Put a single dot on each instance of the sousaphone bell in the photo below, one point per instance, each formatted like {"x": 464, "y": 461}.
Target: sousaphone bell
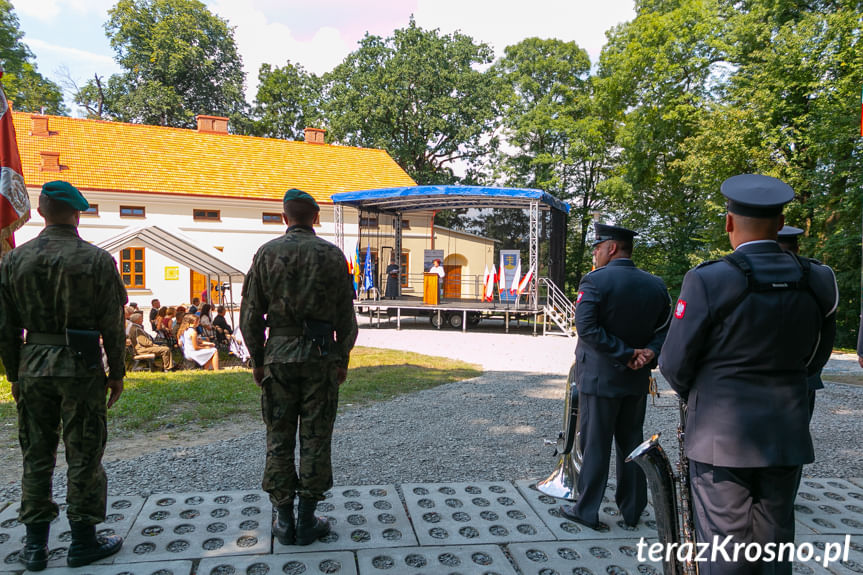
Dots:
{"x": 563, "y": 481}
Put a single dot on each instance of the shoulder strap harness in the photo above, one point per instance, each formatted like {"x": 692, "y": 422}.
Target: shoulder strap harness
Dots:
{"x": 741, "y": 262}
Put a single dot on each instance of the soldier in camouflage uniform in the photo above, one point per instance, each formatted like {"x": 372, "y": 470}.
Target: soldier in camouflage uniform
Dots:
{"x": 66, "y": 293}
{"x": 299, "y": 287}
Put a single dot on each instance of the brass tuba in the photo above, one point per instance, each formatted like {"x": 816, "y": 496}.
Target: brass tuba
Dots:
{"x": 563, "y": 481}
{"x": 669, "y": 503}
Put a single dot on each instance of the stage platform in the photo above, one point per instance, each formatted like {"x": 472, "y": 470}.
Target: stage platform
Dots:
{"x": 455, "y": 313}
{"x": 471, "y": 528}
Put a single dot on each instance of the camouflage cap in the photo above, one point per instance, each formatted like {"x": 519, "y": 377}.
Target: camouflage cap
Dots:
{"x": 65, "y": 192}
{"x": 295, "y": 194}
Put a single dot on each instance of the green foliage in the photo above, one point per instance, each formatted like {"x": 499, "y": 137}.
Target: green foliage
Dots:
{"x": 23, "y": 84}
{"x": 180, "y": 60}
{"x": 288, "y": 101}
{"x": 655, "y": 75}
{"x": 418, "y": 95}
{"x": 561, "y": 144}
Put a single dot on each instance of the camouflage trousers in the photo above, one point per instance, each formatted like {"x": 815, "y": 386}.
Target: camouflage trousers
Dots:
{"x": 79, "y": 405}
{"x": 302, "y": 396}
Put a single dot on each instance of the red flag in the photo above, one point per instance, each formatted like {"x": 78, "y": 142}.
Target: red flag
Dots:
{"x": 14, "y": 201}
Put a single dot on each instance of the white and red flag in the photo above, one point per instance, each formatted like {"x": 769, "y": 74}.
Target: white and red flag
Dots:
{"x": 515, "y": 278}
{"x": 489, "y": 289}
{"x": 525, "y": 281}
{"x": 501, "y": 278}
{"x": 14, "y": 201}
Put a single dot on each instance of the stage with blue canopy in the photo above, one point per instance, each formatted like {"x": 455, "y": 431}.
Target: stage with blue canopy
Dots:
{"x": 397, "y": 201}
{"x": 411, "y": 198}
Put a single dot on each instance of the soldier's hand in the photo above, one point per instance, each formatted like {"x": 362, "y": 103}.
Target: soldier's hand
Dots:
{"x": 115, "y": 386}
{"x": 342, "y": 375}
{"x": 15, "y": 391}
{"x": 258, "y": 374}
{"x": 860, "y": 360}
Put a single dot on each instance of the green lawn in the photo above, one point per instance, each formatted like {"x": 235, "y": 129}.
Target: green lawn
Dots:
{"x": 154, "y": 401}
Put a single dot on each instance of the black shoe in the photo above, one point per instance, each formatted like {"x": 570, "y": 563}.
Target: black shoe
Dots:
{"x": 87, "y": 547}
{"x": 309, "y": 527}
{"x": 34, "y": 556}
{"x": 283, "y": 524}
{"x": 568, "y": 511}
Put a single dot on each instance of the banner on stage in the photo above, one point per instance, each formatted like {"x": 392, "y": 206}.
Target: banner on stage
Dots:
{"x": 510, "y": 267}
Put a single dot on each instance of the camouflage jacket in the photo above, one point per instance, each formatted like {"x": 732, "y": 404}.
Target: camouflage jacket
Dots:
{"x": 54, "y": 282}
{"x": 293, "y": 278}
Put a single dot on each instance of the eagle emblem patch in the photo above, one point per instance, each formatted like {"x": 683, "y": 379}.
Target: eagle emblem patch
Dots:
{"x": 578, "y": 299}
{"x": 680, "y": 309}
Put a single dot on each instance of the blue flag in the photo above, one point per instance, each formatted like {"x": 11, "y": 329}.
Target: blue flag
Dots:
{"x": 368, "y": 273}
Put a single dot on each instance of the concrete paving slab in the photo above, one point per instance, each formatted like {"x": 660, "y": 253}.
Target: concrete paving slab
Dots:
{"x": 121, "y": 512}
{"x": 361, "y": 517}
{"x": 462, "y": 559}
{"x": 157, "y": 568}
{"x": 548, "y": 509}
{"x": 851, "y": 565}
{"x": 472, "y": 513}
{"x": 205, "y": 524}
{"x": 329, "y": 563}
{"x": 587, "y": 557}
{"x": 830, "y": 506}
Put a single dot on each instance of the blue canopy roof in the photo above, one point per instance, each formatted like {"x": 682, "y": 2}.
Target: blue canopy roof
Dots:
{"x": 412, "y": 198}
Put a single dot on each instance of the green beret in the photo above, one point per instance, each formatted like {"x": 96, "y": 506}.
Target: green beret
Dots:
{"x": 65, "y": 192}
{"x": 295, "y": 194}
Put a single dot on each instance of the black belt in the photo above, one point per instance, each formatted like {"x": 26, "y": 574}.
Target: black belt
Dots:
{"x": 286, "y": 331}
{"x": 46, "y": 338}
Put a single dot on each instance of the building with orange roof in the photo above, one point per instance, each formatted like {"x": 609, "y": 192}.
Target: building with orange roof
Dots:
{"x": 182, "y": 208}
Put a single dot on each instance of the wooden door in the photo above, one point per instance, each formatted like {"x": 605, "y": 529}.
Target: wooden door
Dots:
{"x": 198, "y": 284}
{"x": 452, "y": 282}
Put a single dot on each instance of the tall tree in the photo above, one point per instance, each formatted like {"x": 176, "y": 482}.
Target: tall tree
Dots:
{"x": 288, "y": 101}
{"x": 655, "y": 79}
{"x": 558, "y": 141}
{"x": 180, "y": 60}
{"x": 790, "y": 109}
{"x": 420, "y": 96}
{"x": 24, "y": 85}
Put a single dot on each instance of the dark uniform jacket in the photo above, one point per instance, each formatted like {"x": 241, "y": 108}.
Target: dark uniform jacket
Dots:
{"x": 54, "y": 282}
{"x": 293, "y": 278}
{"x": 743, "y": 369}
{"x": 620, "y": 308}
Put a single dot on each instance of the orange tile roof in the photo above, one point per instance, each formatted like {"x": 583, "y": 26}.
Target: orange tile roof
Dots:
{"x": 100, "y": 155}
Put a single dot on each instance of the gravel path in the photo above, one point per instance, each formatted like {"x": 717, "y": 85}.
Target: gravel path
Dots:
{"x": 487, "y": 428}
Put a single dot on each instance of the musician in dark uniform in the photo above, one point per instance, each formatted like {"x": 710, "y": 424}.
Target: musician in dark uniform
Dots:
{"x": 787, "y": 240}
{"x": 747, "y": 330}
{"x": 622, "y": 315}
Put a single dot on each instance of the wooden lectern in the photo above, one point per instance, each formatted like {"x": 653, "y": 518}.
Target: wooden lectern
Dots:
{"x": 430, "y": 288}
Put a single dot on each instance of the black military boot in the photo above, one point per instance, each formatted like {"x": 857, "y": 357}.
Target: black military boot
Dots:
{"x": 309, "y": 527}
{"x": 35, "y": 553}
{"x": 283, "y": 525}
{"x": 87, "y": 547}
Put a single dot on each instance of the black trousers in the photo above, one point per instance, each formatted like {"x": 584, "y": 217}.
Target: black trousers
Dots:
{"x": 749, "y": 504}
{"x": 604, "y": 419}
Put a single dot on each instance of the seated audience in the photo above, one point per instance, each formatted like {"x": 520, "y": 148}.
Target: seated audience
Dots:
{"x": 168, "y": 320}
{"x": 203, "y": 353}
{"x": 178, "y": 321}
{"x": 143, "y": 343}
{"x": 155, "y": 306}
{"x": 220, "y": 324}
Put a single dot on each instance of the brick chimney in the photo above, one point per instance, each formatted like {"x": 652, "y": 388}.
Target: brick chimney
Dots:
{"x": 40, "y": 125}
{"x": 212, "y": 124}
{"x": 50, "y": 161}
{"x": 314, "y": 135}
